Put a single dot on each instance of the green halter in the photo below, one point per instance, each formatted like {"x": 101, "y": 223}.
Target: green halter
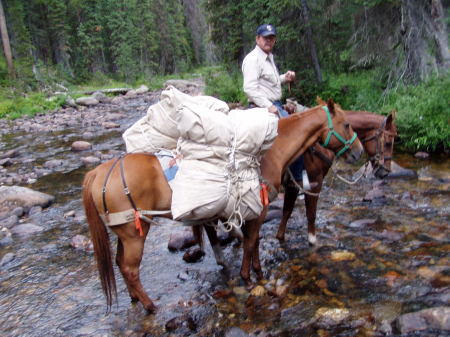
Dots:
{"x": 347, "y": 143}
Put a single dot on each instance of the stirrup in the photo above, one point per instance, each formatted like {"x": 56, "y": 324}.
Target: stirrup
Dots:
{"x": 305, "y": 181}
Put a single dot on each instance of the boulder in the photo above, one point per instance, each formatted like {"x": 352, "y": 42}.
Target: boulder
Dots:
{"x": 86, "y": 101}
{"x": 432, "y": 318}
{"x": 81, "y": 145}
{"x": 12, "y": 197}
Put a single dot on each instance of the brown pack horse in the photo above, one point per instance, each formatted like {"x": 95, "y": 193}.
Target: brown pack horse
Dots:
{"x": 377, "y": 134}
{"x": 150, "y": 190}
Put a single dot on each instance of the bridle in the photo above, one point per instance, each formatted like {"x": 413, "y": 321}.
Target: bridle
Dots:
{"x": 332, "y": 132}
{"x": 379, "y": 137}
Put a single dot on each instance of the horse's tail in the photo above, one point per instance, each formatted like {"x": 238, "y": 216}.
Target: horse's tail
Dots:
{"x": 100, "y": 240}
{"x": 198, "y": 234}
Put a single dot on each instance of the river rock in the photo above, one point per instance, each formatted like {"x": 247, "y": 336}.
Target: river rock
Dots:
{"x": 6, "y": 162}
{"x": 82, "y": 242}
{"x": 8, "y": 154}
{"x": 86, "y": 101}
{"x": 236, "y": 332}
{"x": 131, "y": 93}
{"x": 362, "y": 222}
{"x": 374, "y": 194}
{"x": 181, "y": 240}
{"x": 17, "y": 196}
{"x": 142, "y": 89}
{"x": 10, "y": 221}
{"x": 399, "y": 172}
{"x": 26, "y": 229}
{"x": 342, "y": 255}
{"x": 110, "y": 125}
{"x": 188, "y": 87}
{"x": 421, "y": 155}
{"x": 432, "y": 318}
{"x": 118, "y": 100}
{"x": 81, "y": 145}
{"x": 101, "y": 97}
{"x": 90, "y": 160}
{"x": 7, "y": 258}
{"x": 184, "y": 321}
{"x": 54, "y": 163}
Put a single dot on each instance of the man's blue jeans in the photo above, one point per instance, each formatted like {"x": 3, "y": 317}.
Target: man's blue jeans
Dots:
{"x": 299, "y": 164}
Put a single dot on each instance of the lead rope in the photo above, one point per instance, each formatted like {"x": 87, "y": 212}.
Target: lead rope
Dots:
{"x": 300, "y": 187}
{"x": 337, "y": 175}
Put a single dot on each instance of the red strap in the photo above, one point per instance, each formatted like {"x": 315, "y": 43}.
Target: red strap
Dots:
{"x": 137, "y": 221}
{"x": 264, "y": 194}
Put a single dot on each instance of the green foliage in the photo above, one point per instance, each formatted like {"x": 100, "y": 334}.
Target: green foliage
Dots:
{"x": 30, "y": 105}
{"x": 423, "y": 114}
{"x": 226, "y": 86}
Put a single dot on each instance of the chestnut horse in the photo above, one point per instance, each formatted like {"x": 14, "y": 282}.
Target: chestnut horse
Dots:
{"x": 104, "y": 193}
{"x": 377, "y": 134}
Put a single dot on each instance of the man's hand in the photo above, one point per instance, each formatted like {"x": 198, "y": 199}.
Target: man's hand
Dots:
{"x": 273, "y": 109}
{"x": 290, "y": 76}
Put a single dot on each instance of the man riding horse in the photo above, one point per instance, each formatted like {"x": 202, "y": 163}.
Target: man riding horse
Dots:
{"x": 262, "y": 85}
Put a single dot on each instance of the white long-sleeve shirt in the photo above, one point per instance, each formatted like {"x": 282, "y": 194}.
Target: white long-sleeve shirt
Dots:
{"x": 262, "y": 82}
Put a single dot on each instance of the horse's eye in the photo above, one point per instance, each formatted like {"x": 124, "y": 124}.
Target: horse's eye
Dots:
{"x": 347, "y": 125}
{"x": 388, "y": 143}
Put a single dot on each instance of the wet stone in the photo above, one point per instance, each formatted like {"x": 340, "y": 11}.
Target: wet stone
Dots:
{"x": 6, "y": 162}
{"x": 181, "y": 240}
{"x": 54, "y": 163}
{"x": 432, "y": 318}
{"x": 90, "y": 160}
{"x": 236, "y": 332}
{"x": 10, "y": 221}
{"x": 26, "y": 229}
{"x": 81, "y": 145}
{"x": 7, "y": 258}
{"x": 421, "y": 155}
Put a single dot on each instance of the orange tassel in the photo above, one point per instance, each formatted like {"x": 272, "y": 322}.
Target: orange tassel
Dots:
{"x": 264, "y": 194}
{"x": 137, "y": 221}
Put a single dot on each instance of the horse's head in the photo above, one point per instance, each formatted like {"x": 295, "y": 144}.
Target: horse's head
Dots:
{"x": 339, "y": 136}
{"x": 379, "y": 146}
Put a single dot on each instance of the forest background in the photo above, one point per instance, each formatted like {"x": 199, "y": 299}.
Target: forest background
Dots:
{"x": 374, "y": 55}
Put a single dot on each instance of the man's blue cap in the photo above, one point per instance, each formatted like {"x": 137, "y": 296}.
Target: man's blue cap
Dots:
{"x": 266, "y": 30}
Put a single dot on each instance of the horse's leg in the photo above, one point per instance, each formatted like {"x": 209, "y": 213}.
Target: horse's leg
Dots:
{"x": 251, "y": 242}
{"x": 215, "y": 244}
{"x": 256, "y": 263}
{"x": 290, "y": 195}
{"x": 133, "y": 249}
{"x": 120, "y": 263}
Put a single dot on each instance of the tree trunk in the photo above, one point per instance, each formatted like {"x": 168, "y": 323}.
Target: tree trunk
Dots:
{"x": 440, "y": 34}
{"x": 6, "y": 45}
{"x": 310, "y": 41}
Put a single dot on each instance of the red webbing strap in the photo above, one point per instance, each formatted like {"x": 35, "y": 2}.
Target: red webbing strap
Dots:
{"x": 264, "y": 194}
{"x": 137, "y": 221}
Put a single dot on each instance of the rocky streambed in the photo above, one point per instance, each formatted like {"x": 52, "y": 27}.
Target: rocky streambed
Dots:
{"x": 381, "y": 267}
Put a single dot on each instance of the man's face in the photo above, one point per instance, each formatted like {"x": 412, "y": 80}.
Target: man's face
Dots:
{"x": 266, "y": 43}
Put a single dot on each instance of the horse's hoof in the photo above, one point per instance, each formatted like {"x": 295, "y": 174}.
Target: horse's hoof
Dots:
{"x": 150, "y": 308}
{"x": 134, "y": 299}
{"x": 312, "y": 239}
{"x": 193, "y": 255}
{"x": 259, "y": 275}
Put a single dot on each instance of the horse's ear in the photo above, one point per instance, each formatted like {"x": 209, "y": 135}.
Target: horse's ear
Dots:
{"x": 319, "y": 100}
{"x": 390, "y": 120}
{"x": 330, "y": 104}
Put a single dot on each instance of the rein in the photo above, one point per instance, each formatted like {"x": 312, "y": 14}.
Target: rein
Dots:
{"x": 380, "y": 133}
{"x": 331, "y": 132}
